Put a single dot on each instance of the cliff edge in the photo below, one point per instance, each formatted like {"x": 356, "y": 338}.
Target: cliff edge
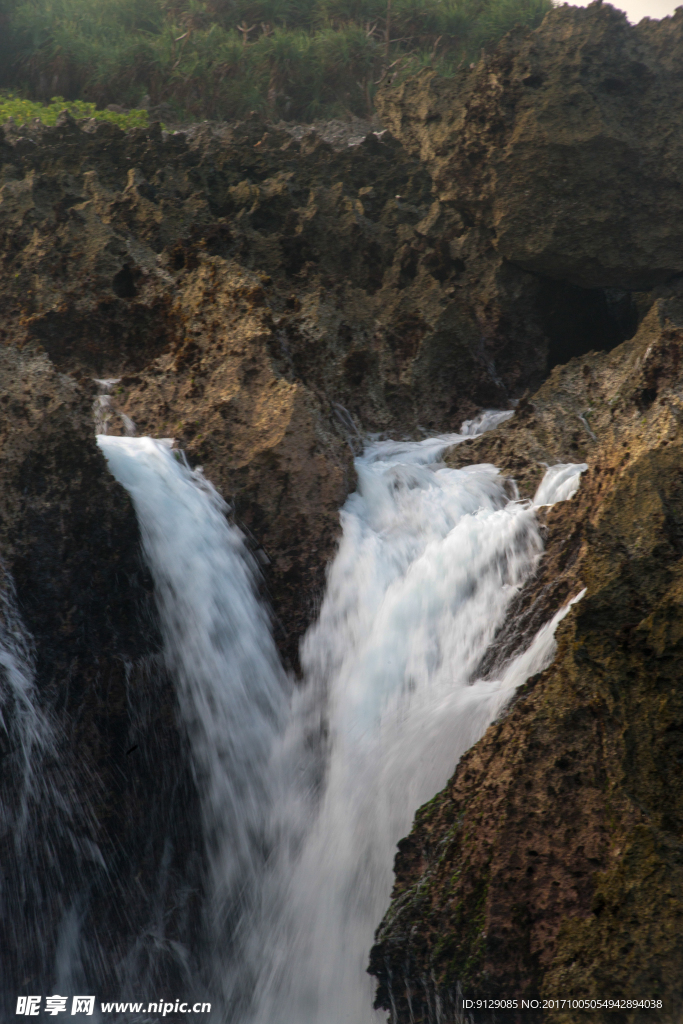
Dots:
{"x": 550, "y": 866}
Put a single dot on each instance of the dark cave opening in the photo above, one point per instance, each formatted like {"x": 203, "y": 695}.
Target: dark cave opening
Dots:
{"x": 580, "y": 320}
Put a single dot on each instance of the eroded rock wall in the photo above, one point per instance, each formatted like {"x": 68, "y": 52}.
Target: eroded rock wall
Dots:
{"x": 561, "y": 150}
{"x": 84, "y": 840}
{"x": 265, "y": 299}
{"x": 551, "y": 863}
{"x": 550, "y": 866}
{"x": 395, "y": 285}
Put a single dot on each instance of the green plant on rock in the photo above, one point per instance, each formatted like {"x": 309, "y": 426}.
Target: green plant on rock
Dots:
{"x": 24, "y": 111}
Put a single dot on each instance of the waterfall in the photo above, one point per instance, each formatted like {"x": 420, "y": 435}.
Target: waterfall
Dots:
{"x": 429, "y": 561}
{"x": 27, "y": 744}
{"x": 306, "y": 790}
{"x": 232, "y": 690}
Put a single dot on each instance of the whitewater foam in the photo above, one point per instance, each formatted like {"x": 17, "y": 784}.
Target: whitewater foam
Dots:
{"x": 232, "y": 689}
{"x": 305, "y": 791}
{"x": 429, "y": 561}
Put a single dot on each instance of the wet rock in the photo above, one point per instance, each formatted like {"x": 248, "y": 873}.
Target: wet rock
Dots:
{"x": 265, "y": 298}
{"x": 262, "y": 438}
{"x": 550, "y": 864}
{"x": 264, "y": 295}
{"x": 75, "y": 593}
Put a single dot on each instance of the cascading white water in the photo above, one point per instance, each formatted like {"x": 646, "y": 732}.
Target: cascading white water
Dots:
{"x": 305, "y": 796}
{"x": 429, "y": 561}
{"x": 232, "y": 690}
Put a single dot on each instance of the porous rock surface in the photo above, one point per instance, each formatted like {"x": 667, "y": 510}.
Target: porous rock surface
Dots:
{"x": 264, "y": 298}
{"x": 550, "y": 866}
{"x": 562, "y": 149}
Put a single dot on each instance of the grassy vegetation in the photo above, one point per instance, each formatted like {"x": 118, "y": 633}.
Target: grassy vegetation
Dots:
{"x": 24, "y": 111}
{"x": 298, "y": 59}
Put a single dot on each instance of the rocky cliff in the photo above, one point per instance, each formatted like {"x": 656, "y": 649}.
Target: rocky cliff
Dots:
{"x": 79, "y": 779}
{"x": 550, "y": 866}
{"x": 252, "y": 289}
{"x": 561, "y": 148}
{"x": 267, "y": 297}
{"x": 387, "y": 285}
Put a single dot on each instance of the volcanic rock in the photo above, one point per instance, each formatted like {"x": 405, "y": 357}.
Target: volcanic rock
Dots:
{"x": 266, "y": 298}
{"x": 263, "y": 299}
{"x": 77, "y": 620}
{"x": 551, "y": 862}
{"x": 562, "y": 149}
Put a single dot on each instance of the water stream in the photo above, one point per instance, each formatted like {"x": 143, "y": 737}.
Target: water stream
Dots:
{"x": 232, "y": 690}
{"x": 304, "y": 789}
{"x": 429, "y": 561}
{"x": 47, "y": 857}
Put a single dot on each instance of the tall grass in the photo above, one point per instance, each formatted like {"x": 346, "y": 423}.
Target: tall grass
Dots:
{"x": 297, "y": 59}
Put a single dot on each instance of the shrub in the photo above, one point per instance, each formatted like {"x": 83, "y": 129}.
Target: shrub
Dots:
{"x": 220, "y": 58}
{"x": 23, "y": 111}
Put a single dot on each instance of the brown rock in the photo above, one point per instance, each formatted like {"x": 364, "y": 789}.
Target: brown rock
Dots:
{"x": 550, "y": 865}
{"x": 263, "y": 298}
{"x": 562, "y": 147}
{"x": 262, "y": 439}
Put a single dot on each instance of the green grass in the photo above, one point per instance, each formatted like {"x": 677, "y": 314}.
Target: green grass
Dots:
{"x": 298, "y": 59}
{"x": 24, "y": 111}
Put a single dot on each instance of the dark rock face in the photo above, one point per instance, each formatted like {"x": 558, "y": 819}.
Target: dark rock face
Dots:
{"x": 102, "y": 233}
{"x": 551, "y": 861}
{"x": 550, "y": 865}
{"x": 562, "y": 148}
{"x": 71, "y": 570}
